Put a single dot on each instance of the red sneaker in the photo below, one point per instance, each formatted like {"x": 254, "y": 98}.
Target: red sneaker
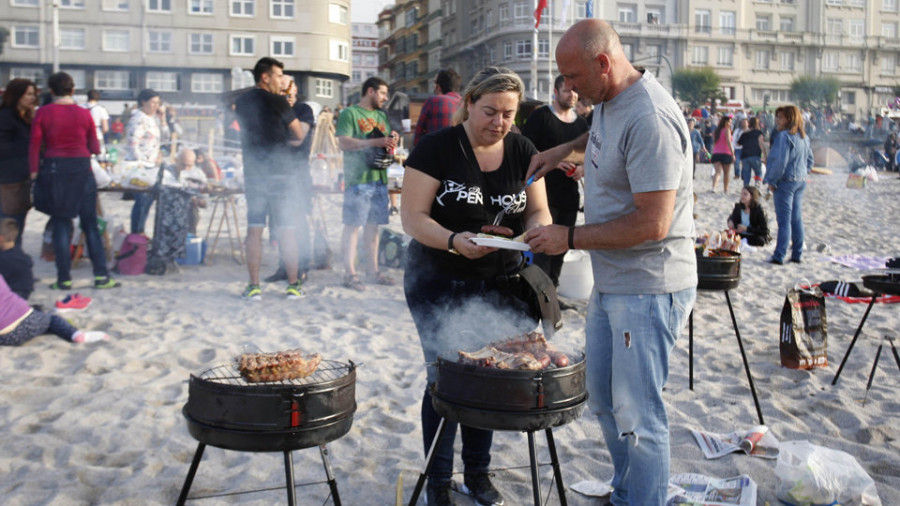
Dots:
{"x": 73, "y": 302}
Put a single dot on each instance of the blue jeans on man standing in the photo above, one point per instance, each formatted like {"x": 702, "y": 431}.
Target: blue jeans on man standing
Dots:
{"x": 788, "y": 199}
{"x": 737, "y": 163}
{"x": 629, "y": 338}
{"x": 751, "y": 164}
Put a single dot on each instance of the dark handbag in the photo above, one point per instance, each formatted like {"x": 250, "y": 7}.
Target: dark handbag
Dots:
{"x": 804, "y": 329}
{"x": 15, "y": 198}
{"x": 536, "y": 289}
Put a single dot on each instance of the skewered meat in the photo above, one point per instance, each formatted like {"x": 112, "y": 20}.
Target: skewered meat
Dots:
{"x": 529, "y": 351}
{"x": 278, "y": 366}
{"x": 497, "y": 230}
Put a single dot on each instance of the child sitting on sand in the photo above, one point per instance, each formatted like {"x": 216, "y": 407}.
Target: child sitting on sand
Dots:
{"x": 15, "y": 264}
{"x": 749, "y": 218}
{"x": 20, "y": 323}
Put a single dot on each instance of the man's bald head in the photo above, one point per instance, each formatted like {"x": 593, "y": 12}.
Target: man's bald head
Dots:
{"x": 591, "y": 37}
{"x": 591, "y": 58}
{"x": 186, "y": 158}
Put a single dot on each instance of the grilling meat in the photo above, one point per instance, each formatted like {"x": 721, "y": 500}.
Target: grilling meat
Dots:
{"x": 278, "y": 366}
{"x": 502, "y": 231}
{"x": 528, "y": 352}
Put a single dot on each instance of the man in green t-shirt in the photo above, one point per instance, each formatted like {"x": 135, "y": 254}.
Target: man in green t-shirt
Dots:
{"x": 364, "y": 134}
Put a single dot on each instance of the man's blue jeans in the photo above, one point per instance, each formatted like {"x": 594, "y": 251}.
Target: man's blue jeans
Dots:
{"x": 788, "y": 198}
{"x": 737, "y": 163}
{"x": 629, "y": 338}
{"x": 751, "y": 164}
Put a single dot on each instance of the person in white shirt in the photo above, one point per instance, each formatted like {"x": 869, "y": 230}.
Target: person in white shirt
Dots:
{"x": 100, "y": 116}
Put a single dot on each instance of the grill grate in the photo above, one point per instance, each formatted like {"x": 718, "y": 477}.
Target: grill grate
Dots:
{"x": 327, "y": 371}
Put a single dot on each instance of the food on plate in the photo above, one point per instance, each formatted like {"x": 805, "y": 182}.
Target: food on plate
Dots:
{"x": 496, "y": 231}
{"x": 529, "y": 351}
{"x": 277, "y": 366}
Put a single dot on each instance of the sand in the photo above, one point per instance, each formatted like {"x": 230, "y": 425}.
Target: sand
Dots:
{"x": 102, "y": 424}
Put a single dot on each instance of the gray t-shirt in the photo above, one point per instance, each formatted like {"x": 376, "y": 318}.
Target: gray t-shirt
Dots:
{"x": 639, "y": 143}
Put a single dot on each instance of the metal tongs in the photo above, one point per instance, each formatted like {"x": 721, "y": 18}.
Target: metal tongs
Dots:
{"x": 499, "y": 217}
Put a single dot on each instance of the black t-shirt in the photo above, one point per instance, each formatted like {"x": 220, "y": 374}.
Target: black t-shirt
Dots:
{"x": 15, "y": 267}
{"x": 546, "y": 131}
{"x": 304, "y": 113}
{"x": 749, "y": 142}
{"x": 264, "y": 118}
{"x": 468, "y": 198}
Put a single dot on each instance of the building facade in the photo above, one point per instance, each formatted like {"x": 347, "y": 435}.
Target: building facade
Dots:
{"x": 191, "y": 51}
{"x": 363, "y": 59}
{"x": 410, "y": 46}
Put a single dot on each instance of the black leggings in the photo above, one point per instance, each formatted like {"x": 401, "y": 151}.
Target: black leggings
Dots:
{"x": 35, "y": 324}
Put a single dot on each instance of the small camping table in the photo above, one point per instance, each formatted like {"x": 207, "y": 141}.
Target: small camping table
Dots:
{"x": 228, "y": 218}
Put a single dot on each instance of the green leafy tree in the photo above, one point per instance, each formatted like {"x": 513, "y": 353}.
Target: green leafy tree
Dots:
{"x": 698, "y": 86}
{"x": 814, "y": 91}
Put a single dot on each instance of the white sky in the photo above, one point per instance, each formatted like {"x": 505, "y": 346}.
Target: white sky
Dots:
{"x": 366, "y": 11}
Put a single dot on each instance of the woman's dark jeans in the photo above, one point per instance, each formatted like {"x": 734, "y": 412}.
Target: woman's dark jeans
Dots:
{"x": 61, "y": 229}
{"x": 140, "y": 211}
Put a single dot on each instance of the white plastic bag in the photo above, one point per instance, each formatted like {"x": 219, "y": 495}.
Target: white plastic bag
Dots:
{"x": 101, "y": 176}
{"x": 812, "y": 475}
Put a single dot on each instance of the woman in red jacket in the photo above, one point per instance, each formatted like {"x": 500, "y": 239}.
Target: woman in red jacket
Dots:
{"x": 64, "y": 182}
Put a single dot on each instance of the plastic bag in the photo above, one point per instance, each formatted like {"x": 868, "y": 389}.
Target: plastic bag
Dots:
{"x": 814, "y": 475}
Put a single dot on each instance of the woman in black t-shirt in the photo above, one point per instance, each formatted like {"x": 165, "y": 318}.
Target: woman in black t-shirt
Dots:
{"x": 752, "y": 146}
{"x": 456, "y": 180}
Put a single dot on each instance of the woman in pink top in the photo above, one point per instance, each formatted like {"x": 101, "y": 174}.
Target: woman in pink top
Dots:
{"x": 722, "y": 153}
{"x": 64, "y": 182}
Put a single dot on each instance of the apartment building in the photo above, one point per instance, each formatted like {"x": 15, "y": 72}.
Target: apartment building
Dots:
{"x": 189, "y": 50}
{"x": 757, "y": 47}
{"x": 363, "y": 58}
{"x": 410, "y": 45}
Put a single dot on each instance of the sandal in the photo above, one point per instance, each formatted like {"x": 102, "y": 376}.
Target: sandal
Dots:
{"x": 353, "y": 282}
{"x": 379, "y": 278}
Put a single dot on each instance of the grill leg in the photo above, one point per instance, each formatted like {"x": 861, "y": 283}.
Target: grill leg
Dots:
{"x": 554, "y": 460}
{"x": 737, "y": 334}
{"x": 691, "y": 350}
{"x": 428, "y": 461}
{"x": 535, "y": 483}
{"x": 855, "y": 336}
{"x": 332, "y": 483}
{"x": 189, "y": 479}
{"x": 289, "y": 476}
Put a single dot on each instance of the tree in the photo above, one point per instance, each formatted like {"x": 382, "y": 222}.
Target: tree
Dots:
{"x": 814, "y": 92}
{"x": 698, "y": 86}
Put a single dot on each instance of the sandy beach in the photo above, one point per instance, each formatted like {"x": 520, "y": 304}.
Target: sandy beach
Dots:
{"x": 101, "y": 423}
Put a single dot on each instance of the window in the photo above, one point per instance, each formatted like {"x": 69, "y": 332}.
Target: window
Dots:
{"x": 787, "y": 24}
{"x": 116, "y": 40}
{"x": 523, "y": 48}
{"x": 627, "y": 13}
{"x": 503, "y": 13}
{"x": 726, "y": 57}
{"x": 889, "y": 5}
{"x": 857, "y": 30}
{"x": 281, "y": 46}
{"x": 78, "y": 77}
{"x": 32, "y": 74}
{"x": 26, "y": 36}
{"x": 849, "y": 97}
{"x": 829, "y": 61}
{"x": 243, "y": 8}
{"x": 764, "y": 23}
{"x": 370, "y": 60}
{"x": 71, "y": 38}
{"x": 702, "y": 21}
{"x": 357, "y": 76}
{"x": 628, "y": 49}
{"x": 162, "y": 81}
{"x": 581, "y": 9}
{"x": 159, "y": 5}
{"x": 762, "y": 60}
{"x": 72, "y": 4}
{"x": 357, "y": 59}
{"x": 159, "y": 41}
{"x": 201, "y": 43}
{"x": 410, "y": 17}
{"x": 26, "y": 3}
{"x": 655, "y": 15}
{"x": 834, "y": 27}
{"x": 544, "y": 47}
{"x": 700, "y": 55}
{"x": 786, "y": 60}
{"x": 283, "y": 9}
{"x": 653, "y": 50}
{"x": 200, "y": 7}
{"x": 337, "y": 14}
{"x": 324, "y": 88}
{"x": 889, "y": 64}
{"x": 507, "y": 50}
{"x": 726, "y": 22}
{"x": 241, "y": 45}
{"x": 115, "y": 5}
{"x": 340, "y": 51}
{"x": 522, "y": 12}
{"x": 853, "y": 62}
{"x": 889, "y": 30}
{"x": 112, "y": 80}
{"x": 207, "y": 83}
{"x": 489, "y": 19}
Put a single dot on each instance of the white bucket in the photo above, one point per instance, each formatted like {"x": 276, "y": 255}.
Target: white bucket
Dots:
{"x": 576, "y": 279}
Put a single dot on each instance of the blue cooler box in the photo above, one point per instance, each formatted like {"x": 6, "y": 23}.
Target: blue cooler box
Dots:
{"x": 195, "y": 251}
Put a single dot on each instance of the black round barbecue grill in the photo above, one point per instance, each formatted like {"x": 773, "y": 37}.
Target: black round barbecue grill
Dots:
{"x": 511, "y": 400}
{"x": 226, "y": 411}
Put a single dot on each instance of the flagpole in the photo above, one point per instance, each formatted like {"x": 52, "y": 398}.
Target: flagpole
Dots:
{"x": 534, "y": 61}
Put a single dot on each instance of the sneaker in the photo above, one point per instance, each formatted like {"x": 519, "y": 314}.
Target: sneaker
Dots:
{"x": 105, "y": 282}
{"x": 773, "y": 260}
{"x": 394, "y": 211}
{"x": 73, "y": 302}
{"x": 89, "y": 337}
{"x": 278, "y": 275}
{"x": 480, "y": 488}
{"x": 293, "y": 291}
{"x": 252, "y": 292}
{"x": 61, "y": 285}
{"x": 439, "y": 496}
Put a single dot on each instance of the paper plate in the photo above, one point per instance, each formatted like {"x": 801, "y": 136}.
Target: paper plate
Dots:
{"x": 496, "y": 242}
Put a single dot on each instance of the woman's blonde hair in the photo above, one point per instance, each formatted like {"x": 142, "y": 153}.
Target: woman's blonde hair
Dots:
{"x": 794, "y": 119}
{"x": 488, "y": 80}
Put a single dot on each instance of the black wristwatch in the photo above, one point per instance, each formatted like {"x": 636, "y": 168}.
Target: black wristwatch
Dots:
{"x": 450, "y": 247}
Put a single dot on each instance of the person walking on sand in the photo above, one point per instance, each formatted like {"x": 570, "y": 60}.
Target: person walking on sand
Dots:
{"x": 639, "y": 230}
{"x": 722, "y": 154}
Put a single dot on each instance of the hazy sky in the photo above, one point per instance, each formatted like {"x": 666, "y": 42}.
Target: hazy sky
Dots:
{"x": 366, "y": 11}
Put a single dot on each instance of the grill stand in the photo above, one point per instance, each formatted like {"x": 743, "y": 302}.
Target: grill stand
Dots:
{"x": 288, "y": 471}
{"x": 532, "y": 453}
{"x": 737, "y": 334}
